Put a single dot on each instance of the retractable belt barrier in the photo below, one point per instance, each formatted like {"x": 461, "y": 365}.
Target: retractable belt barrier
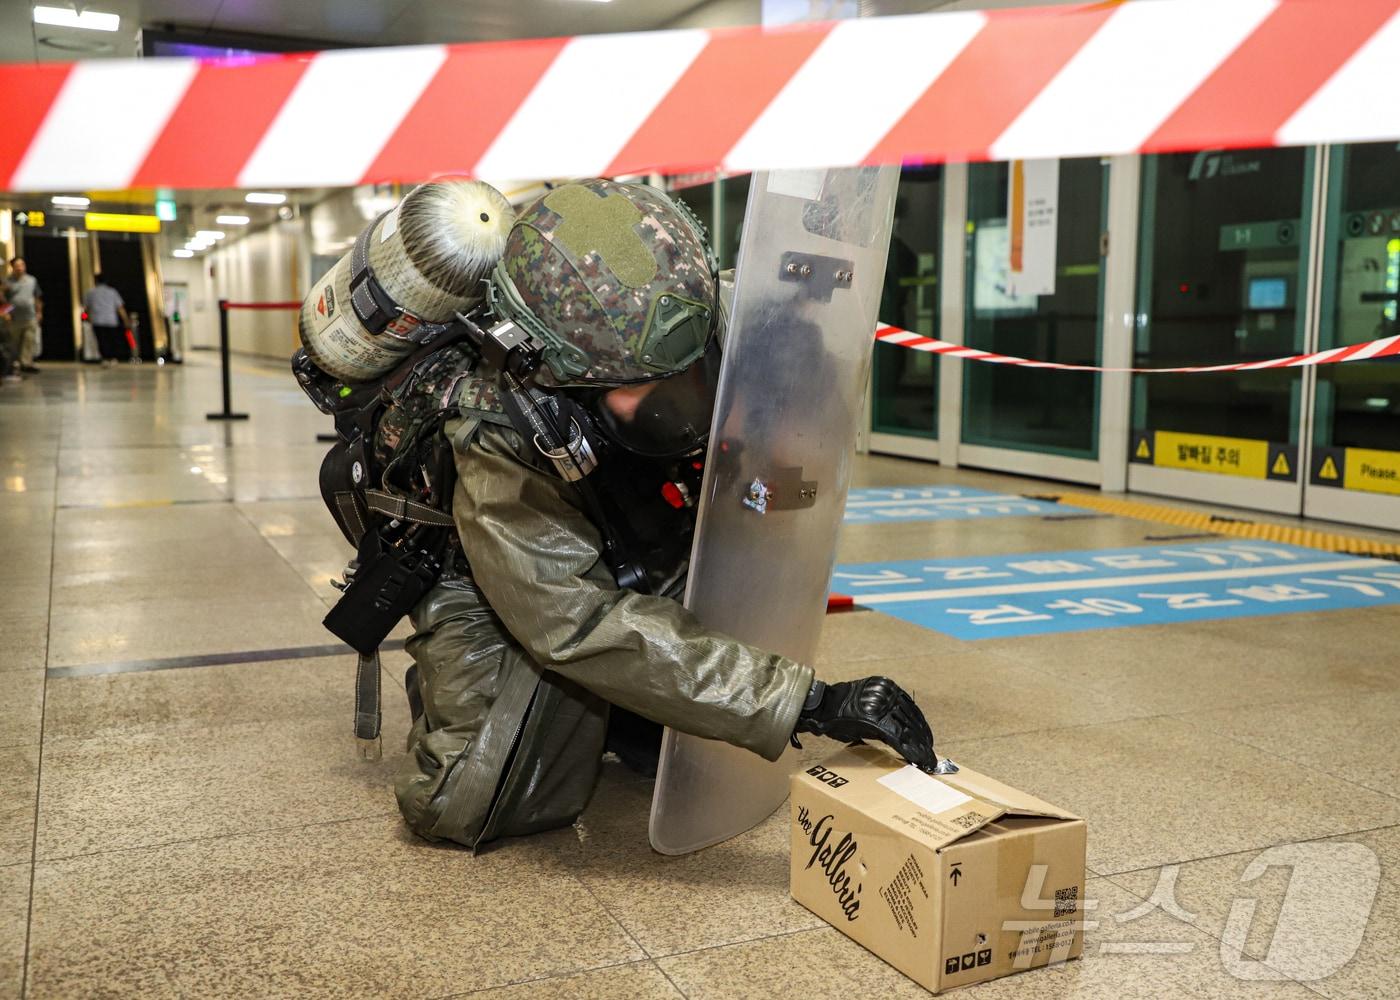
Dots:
{"x": 225, "y": 306}
{"x": 1371, "y": 350}
{"x": 1149, "y": 76}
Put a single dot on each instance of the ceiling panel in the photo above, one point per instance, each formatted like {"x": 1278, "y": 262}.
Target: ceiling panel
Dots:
{"x": 21, "y": 40}
{"x": 363, "y": 22}
{"x": 344, "y": 22}
{"x": 455, "y": 21}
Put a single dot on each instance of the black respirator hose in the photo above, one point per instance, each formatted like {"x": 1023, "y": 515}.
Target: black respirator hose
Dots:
{"x": 530, "y": 409}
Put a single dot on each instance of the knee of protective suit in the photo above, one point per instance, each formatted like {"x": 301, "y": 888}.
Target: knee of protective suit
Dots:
{"x": 459, "y": 649}
{"x": 420, "y": 784}
{"x": 459, "y": 652}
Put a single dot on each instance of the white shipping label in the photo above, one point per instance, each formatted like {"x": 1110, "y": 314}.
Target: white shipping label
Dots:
{"x": 797, "y": 183}
{"x": 924, "y": 791}
{"x": 390, "y": 227}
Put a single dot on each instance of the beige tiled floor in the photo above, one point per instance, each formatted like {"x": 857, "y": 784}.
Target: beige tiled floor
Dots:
{"x": 824, "y": 963}
{"x": 209, "y": 831}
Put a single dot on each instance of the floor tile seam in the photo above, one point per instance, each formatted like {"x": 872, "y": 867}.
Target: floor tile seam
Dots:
{"x": 232, "y": 835}
{"x": 193, "y": 661}
{"x": 1310, "y": 765}
{"x": 223, "y": 498}
{"x": 1186, "y": 715}
{"x": 298, "y": 722}
{"x": 623, "y": 927}
{"x": 1006, "y": 656}
{"x": 578, "y": 880}
{"x": 1154, "y": 716}
{"x": 658, "y": 959}
{"x": 543, "y": 979}
{"x": 667, "y": 976}
{"x": 43, "y": 711}
{"x": 1251, "y": 850}
{"x": 1064, "y": 729}
{"x": 1211, "y": 935}
{"x": 285, "y": 561}
{"x": 1321, "y": 699}
{"x": 1007, "y": 659}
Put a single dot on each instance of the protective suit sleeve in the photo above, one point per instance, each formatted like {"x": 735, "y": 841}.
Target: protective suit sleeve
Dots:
{"x": 537, "y": 558}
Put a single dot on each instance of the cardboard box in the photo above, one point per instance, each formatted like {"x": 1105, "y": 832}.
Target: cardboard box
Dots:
{"x": 953, "y": 880}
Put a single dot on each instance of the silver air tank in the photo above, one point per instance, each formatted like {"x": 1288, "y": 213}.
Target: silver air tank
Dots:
{"x": 430, "y": 255}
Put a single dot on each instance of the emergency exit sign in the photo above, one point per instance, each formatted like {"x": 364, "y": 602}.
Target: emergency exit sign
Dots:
{"x": 1259, "y": 235}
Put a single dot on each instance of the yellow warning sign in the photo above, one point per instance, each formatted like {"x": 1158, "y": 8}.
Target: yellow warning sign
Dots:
{"x": 1328, "y": 470}
{"x": 1372, "y": 471}
{"x": 1207, "y": 453}
{"x": 1142, "y": 451}
{"x": 1280, "y": 466}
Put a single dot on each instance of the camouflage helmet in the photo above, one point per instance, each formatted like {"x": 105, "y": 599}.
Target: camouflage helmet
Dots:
{"x": 617, "y": 280}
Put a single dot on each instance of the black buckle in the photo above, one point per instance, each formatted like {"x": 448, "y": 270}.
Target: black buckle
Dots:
{"x": 506, "y": 346}
{"x": 374, "y": 307}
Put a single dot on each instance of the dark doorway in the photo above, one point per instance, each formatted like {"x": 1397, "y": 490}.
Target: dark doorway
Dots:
{"x": 124, "y": 270}
{"x": 47, "y": 258}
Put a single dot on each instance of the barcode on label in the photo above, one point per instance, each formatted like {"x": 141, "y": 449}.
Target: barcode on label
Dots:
{"x": 969, "y": 821}
{"x": 1066, "y": 901}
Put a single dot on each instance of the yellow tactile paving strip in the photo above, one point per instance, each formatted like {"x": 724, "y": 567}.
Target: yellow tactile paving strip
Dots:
{"x": 1241, "y": 528}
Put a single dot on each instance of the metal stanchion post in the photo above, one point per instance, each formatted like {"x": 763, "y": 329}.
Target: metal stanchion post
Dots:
{"x": 226, "y": 413}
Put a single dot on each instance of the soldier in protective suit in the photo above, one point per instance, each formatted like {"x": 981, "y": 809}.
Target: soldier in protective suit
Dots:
{"x": 528, "y": 644}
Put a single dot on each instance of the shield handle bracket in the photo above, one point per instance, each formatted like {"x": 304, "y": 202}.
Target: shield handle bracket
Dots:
{"x": 785, "y": 489}
{"x": 818, "y": 275}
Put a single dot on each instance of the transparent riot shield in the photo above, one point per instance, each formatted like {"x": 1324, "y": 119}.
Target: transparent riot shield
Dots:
{"x": 796, "y": 362}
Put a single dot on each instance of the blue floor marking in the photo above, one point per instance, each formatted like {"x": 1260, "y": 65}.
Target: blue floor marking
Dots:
{"x": 939, "y": 503}
{"x": 1036, "y": 593}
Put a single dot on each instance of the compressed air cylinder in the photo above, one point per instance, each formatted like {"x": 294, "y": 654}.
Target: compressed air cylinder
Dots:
{"x": 430, "y": 254}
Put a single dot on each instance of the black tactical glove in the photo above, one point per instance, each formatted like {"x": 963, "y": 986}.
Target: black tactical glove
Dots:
{"x": 873, "y": 708}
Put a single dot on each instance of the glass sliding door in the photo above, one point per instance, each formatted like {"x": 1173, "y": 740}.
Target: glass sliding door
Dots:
{"x": 904, "y": 383}
{"x": 698, "y": 196}
{"x": 1354, "y": 466}
{"x": 719, "y": 204}
{"x": 1031, "y": 420}
{"x": 733, "y": 200}
{"x": 1223, "y": 277}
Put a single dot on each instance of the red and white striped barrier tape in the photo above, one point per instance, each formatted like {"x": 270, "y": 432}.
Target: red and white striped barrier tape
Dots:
{"x": 1388, "y": 347}
{"x": 1149, "y": 76}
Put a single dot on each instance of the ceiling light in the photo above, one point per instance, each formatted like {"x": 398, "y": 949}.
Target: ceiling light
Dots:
{"x": 264, "y": 198}
{"x": 232, "y": 220}
{"x": 80, "y": 44}
{"x": 209, "y": 234}
{"x": 182, "y": 253}
{"x": 67, "y": 17}
{"x": 70, "y": 201}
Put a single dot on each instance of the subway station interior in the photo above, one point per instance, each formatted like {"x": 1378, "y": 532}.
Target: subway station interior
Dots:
{"x": 1166, "y": 602}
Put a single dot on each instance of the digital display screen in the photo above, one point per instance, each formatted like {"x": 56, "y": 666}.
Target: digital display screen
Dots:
{"x": 1268, "y": 293}
{"x": 161, "y": 47}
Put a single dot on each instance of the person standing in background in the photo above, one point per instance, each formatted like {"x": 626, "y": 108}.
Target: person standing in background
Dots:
{"x": 26, "y": 301}
{"x": 107, "y": 313}
{"x": 9, "y": 370}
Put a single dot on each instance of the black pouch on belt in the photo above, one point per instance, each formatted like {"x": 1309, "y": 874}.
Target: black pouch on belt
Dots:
{"x": 388, "y": 583}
